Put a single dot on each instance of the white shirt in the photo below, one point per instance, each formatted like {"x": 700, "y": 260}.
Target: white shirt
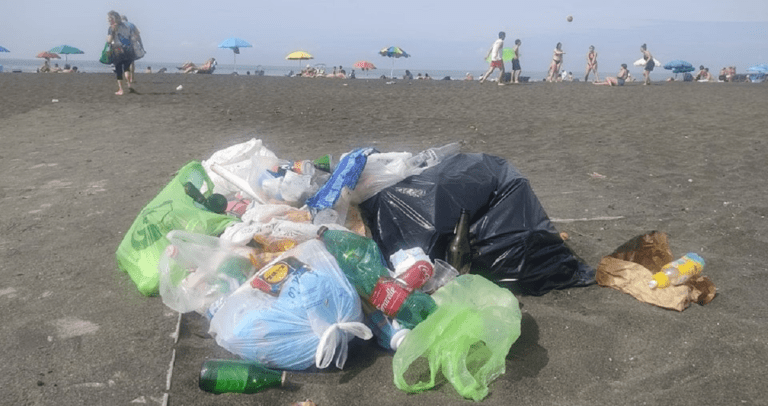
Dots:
{"x": 496, "y": 50}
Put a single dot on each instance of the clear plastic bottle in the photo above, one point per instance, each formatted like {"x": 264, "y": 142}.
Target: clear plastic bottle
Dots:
{"x": 433, "y": 156}
{"x": 678, "y": 272}
{"x": 361, "y": 261}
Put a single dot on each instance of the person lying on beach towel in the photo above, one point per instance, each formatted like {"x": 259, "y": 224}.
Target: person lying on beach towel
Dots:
{"x": 208, "y": 67}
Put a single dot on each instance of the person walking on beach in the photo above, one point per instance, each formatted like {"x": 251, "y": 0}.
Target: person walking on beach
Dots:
{"x": 138, "y": 45}
{"x": 119, "y": 38}
{"x": 557, "y": 62}
{"x": 516, "y": 62}
{"x": 592, "y": 64}
{"x": 495, "y": 53}
{"x": 649, "y": 64}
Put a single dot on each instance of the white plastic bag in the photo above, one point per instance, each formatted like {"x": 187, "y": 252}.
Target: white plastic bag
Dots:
{"x": 196, "y": 270}
{"x": 298, "y": 311}
{"x": 236, "y": 159}
{"x": 382, "y": 170}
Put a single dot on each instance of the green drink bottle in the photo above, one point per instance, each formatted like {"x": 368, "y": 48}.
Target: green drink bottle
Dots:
{"x": 238, "y": 376}
{"x": 361, "y": 261}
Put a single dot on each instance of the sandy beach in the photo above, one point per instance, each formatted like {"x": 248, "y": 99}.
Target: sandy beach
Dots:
{"x": 688, "y": 159}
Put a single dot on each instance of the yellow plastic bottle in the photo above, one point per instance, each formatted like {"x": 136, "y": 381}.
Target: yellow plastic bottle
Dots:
{"x": 677, "y": 272}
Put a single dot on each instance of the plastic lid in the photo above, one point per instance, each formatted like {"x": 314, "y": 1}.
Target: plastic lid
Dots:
{"x": 398, "y": 338}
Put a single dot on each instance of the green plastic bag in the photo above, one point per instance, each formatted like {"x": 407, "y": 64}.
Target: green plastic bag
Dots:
{"x": 140, "y": 251}
{"x": 467, "y": 337}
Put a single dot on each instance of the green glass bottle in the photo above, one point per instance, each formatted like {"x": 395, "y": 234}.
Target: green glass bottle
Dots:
{"x": 237, "y": 376}
{"x": 362, "y": 262}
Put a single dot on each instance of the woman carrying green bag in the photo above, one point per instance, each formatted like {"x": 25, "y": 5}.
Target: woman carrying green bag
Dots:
{"x": 123, "y": 55}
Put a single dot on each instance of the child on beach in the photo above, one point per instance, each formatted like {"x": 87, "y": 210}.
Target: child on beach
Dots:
{"x": 516, "y": 62}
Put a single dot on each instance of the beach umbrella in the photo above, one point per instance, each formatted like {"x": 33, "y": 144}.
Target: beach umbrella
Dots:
{"x": 507, "y": 54}
{"x": 364, "y": 65}
{"x": 678, "y": 66}
{"x": 393, "y": 52}
{"x": 48, "y": 55}
{"x": 2, "y": 49}
{"x": 641, "y": 62}
{"x": 235, "y": 44}
{"x": 762, "y": 68}
{"x": 65, "y": 50}
{"x": 299, "y": 56}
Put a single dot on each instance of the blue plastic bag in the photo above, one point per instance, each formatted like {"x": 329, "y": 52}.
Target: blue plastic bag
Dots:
{"x": 298, "y": 311}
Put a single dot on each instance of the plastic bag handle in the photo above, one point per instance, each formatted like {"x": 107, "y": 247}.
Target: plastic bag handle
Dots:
{"x": 331, "y": 337}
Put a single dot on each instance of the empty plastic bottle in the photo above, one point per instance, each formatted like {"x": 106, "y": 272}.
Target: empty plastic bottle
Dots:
{"x": 433, "y": 156}
{"x": 678, "y": 272}
{"x": 361, "y": 261}
{"x": 222, "y": 376}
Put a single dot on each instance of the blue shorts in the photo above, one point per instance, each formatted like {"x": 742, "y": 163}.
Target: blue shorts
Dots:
{"x": 516, "y": 64}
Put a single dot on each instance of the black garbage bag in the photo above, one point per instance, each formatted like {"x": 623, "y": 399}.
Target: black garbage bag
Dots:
{"x": 513, "y": 242}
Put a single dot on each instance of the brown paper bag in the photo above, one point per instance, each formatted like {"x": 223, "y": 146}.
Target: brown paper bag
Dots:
{"x": 631, "y": 266}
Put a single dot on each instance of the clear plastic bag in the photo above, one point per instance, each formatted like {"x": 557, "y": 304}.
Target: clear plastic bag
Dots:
{"x": 467, "y": 338}
{"x": 197, "y": 270}
{"x": 298, "y": 311}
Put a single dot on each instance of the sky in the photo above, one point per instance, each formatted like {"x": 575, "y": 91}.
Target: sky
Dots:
{"x": 439, "y": 35}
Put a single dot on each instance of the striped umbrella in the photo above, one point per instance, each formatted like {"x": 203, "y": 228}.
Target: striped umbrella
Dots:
{"x": 65, "y": 50}
{"x": 393, "y": 52}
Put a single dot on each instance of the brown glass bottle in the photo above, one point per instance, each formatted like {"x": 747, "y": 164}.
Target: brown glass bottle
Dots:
{"x": 459, "y": 252}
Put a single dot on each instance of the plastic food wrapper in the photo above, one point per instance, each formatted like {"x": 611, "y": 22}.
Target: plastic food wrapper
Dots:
{"x": 172, "y": 209}
{"x": 197, "y": 270}
{"x": 296, "y": 312}
{"x": 513, "y": 241}
{"x": 631, "y": 266}
{"x": 467, "y": 338}
{"x": 345, "y": 175}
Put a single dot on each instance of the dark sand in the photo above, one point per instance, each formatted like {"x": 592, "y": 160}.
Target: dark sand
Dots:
{"x": 688, "y": 159}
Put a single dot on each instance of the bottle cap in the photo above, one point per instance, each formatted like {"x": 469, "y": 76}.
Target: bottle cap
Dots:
{"x": 660, "y": 280}
{"x": 398, "y": 338}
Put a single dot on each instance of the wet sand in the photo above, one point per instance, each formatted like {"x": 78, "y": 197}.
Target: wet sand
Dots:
{"x": 689, "y": 159}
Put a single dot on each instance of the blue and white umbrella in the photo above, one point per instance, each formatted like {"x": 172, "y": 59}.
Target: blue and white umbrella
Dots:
{"x": 235, "y": 44}
{"x": 678, "y": 66}
{"x": 2, "y": 49}
{"x": 758, "y": 72}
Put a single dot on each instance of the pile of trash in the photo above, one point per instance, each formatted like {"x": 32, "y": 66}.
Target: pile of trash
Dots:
{"x": 290, "y": 261}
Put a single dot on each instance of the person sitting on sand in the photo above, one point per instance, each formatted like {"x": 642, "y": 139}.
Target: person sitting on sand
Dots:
{"x": 45, "y": 67}
{"x": 55, "y": 68}
{"x": 723, "y": 75}
{"x": 619, "y": 79}
{"x": 148, "y": 70}
{"x": 700, "y": 73}
{"x": 408, "y": 75}
{"x": 308, "y": 72}
{"x": 469, "y": 77}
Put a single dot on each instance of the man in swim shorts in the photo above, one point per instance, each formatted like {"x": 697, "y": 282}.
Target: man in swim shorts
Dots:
{"x": 649, "y": 64}
{"x": 495, "y": 53}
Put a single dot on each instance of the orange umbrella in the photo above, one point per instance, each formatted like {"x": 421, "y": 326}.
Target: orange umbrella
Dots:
{"x": 48, "y": 55}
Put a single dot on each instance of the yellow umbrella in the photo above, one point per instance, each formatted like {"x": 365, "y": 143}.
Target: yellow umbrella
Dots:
{"x": 299, "y": 56}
